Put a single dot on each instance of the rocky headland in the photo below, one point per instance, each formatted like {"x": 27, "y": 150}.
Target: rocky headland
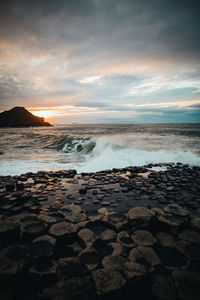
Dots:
{"x": 20, "y": 117}
{"x": 131, "y": 233}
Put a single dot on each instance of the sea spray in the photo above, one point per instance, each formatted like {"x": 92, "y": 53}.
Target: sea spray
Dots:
{"x": 97, "y": 147}
{"x": 109, "y": 154}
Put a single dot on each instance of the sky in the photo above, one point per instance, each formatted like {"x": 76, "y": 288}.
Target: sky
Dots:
{"x": 101, "y": 61}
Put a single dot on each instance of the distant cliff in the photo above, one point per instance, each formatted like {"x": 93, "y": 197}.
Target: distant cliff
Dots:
{"x": 20, "y": 117}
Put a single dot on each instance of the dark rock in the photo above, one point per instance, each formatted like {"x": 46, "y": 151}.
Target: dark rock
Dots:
{"x": 70, "y": 267}
{"x": 108, "y": 282}
{"x": 163, "y": 288}
{"x": 187, "y": 284}
{"x": 43, "y": 273}
{"x": 12, "y": 260}
{"x": 86, "y": 236}
{"x": 9, "y": 231}
{"x": 171, "y": 223}
{"x": 43, "y": 246}
{"x": 165, "y": 239}
{"x": 125, "y": 239}
{"x": 80, "y": 288}
{"x": 112, "y": 262}
{"x": 49, "y": 220}
{"x": 73, "y": 213}
{"x": 20, "y": 117}
{"x": 117, "y": 248}
{"x": 68, "y": 250}
{"x": 144, "y": 255}
{"x": 141, "y": 216}
{"x": 63, "y": 230}
{"x": 190, "y": 250}
{"x": 90, "y": 258}
{"x": 190, "y": 236}
{"x": 195, "y": 223}
{"x": 31, "y": 230}
{"x": 176, "y": 209}
{"x": 10, "y": 187}
{"x": 143, "y": 238}
{"x": 171, "y": 256}
{"x": 82, "y": 191}
{"x": 56, "y": 292}
{"x": 19, "y": 186}
{"x": 134, "y": 272}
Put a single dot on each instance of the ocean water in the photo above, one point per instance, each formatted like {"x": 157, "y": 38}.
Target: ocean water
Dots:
{"x": 90, "y": 148}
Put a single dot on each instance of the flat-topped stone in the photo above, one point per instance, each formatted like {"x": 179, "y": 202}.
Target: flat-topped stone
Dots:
{"x": 141, "y": 216}
{"x": 143, "y": 238}
{"x": 63, "y": 230}
{"x": 107, "y": 281}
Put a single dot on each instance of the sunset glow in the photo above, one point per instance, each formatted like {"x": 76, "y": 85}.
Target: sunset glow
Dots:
{"x": 44, "y": 113}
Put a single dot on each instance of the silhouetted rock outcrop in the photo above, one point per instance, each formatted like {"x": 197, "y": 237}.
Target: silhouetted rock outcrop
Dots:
{"x": 20, "y": 117}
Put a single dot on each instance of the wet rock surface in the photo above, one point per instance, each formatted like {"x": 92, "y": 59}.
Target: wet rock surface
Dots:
{"x": 122, "y": 233}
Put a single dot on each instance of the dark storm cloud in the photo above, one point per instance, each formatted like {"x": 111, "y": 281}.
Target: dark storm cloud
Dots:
{"x": 117, "y": 26}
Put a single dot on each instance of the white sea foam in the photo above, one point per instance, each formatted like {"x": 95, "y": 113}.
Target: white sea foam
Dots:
{"x": 109, "y": 154}
{"x": 96, "y": 148}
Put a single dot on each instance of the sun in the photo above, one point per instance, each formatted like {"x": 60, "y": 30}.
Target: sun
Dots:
{"x": 47, "y": 114}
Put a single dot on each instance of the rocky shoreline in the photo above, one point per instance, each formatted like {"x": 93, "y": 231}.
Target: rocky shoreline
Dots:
{"x": 129, "y": 233}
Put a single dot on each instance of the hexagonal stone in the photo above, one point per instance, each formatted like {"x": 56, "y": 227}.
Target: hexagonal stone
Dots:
{"x": 47, "y": 219}
{"x": 73, "y": 213}
{"x": 162, "y": 287}
{"x": 134, "y": 271}
{"x": 44, "y": 272}
{"x": 12, "y": 260}
{"x": 31, "y": 230}
{"x": 70, "y": 267}
{"x": 141, "y": 216}
{"x": 103, "y": 211}
{"x": 79, "y": 288}
{"x": 69, "y": 209}
{"x": 112, "y": 262}
{"x": 143, "y": 238}
{"x": 108, "y": 235}
{"x": 176, "y": 209}
{"x": 117, "y": 248}
{"x": 119, "y": 221}
{"x": 165, "y": 239}
{"x": 102, "y": 247}
{"x": 9, "y": 231}
{"x": 187, "y": 284}
{"x": 108, "y": 282}
{"x": 144, "y": 255}
{"x": 68, "y": 250}
{"x": 195, "y": 223}
{"x": 63, "y": 230}
{"x": 10, "y": 187}
{"x": 86, "y": 236}
{"x": 90, "y": 258}
{"x": 56, "y": 292}
{"x": 125, "y": 239}
{"x": 190, "y": 250}
{"x": 190, "y": 236}
{"x": 171, "y": 223}
{"x": 170, "y": 256}
{"x": 43, "y": 246}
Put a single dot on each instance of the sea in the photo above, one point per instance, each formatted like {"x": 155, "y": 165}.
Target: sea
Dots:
{"x": 96, "y": 147}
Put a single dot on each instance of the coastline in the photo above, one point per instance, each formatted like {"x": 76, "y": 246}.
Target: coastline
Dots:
{"x": 121, "y": 232}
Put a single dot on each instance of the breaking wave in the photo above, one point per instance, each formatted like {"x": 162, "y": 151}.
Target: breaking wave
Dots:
{"x": 94, "y": 148}
{"x": 78, "y": 145}
{"x": 108, "y": 154}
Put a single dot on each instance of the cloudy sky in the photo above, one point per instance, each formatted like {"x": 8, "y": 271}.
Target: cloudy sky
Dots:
{"x": 105, "y": 61}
